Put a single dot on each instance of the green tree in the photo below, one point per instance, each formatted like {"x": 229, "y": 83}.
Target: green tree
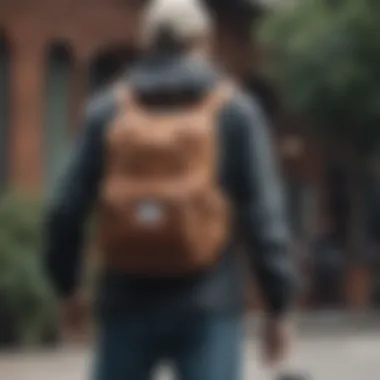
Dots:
{"x": 326, "y": 55}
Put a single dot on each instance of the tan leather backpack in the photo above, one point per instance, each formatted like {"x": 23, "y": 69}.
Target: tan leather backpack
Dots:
{"x": 161, "y": 208}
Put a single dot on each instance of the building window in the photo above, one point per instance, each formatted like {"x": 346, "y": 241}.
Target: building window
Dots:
{"x": 58, "y": 107}
{"x": 4, "y": 109}
{"x": 302, "y": 207}
{"x": 108, "y": 66}
{"x": 338, "y": 201}
{"x": 295, "y": 212}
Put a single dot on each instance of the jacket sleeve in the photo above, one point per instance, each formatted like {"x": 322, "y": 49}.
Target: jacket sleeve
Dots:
{"x": 256, "y": 189}
{"x": 71, "y": 203}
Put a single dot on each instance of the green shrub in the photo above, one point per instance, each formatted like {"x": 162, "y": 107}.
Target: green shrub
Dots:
{"x": 27, "y": 304}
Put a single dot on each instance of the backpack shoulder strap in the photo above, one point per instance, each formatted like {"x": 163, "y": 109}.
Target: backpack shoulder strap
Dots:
{"x": 125, "y": 98}
{"x": 218, "y": 97}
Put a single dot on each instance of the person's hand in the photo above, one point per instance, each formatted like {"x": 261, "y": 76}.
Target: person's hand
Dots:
{"x": 276, "y": 341}
{"x": 74, "y": 317}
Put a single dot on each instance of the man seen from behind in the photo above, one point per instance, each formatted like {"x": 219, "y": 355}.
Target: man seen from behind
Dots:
{"x": 178, "y": 164}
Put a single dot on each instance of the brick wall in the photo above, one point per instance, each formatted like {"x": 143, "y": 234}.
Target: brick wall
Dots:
{"x": 30, "y": 29}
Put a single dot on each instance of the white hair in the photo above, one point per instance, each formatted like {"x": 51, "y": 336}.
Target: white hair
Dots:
{"x": 186, "y": 20}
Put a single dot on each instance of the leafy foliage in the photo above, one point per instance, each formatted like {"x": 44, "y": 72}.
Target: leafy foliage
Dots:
{"x": 24, "y": 291}
{"x": 327, "y": 57}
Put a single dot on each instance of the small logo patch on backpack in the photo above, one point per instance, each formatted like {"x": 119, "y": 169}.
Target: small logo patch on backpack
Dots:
{"x": 149, "y": 213}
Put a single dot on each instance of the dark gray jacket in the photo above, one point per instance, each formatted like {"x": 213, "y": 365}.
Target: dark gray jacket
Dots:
{"x": 248, "y": 174}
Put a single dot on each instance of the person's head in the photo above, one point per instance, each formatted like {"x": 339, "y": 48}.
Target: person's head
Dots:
{"x": 175, "y": 25}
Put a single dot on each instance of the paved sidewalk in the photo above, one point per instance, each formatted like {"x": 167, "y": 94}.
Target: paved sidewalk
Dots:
{"x": 352, "y": 356}
{"x": 336, "y": 322}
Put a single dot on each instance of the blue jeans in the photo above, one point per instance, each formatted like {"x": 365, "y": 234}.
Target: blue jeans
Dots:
{"x": 200, "y": 346}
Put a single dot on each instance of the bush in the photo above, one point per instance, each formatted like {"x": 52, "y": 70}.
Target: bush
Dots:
{"x": 27, "y": 304}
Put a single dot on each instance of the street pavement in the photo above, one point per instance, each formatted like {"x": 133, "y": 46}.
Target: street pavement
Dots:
{"x": 325, "y": 356}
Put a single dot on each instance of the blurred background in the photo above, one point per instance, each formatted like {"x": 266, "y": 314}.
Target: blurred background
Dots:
{"x": 314, "y": 66}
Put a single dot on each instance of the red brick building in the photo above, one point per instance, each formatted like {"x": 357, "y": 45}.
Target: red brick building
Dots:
{"x": 54, "y": 54}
